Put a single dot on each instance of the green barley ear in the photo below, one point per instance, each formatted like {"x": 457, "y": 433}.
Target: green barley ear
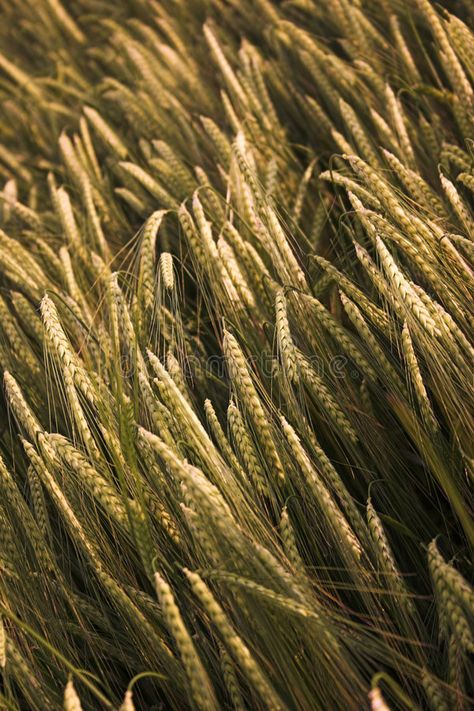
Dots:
{"x": 340, "y": 528}
{"x": 106, "y": 134}
{"x": 231, "y": 680}
{"x": 167, "y": 271}
{"x": 449, "y": 591}
{"x": 245, "y": 448}
{"x": 417, "y": 380}
{"x": 386, "y": 562}
{"x": 248, "y": 394}
{"x": 234, "y": 644}
{"x": 285, "y": 341}
{"x": 434, "y": 692}
{"x": 141, "y": 531}
{"x": 289, "y": 541}
{"x": 201, "y": 688}
{"x": 456, "y": 582}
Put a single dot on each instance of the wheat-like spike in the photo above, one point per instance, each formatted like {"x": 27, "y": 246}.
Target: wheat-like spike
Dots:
{"x": 334, "y": 516}
{"x": 16, "y": 500}
{"x": 352, "y": 185}
{"x": 25, "y": 258}
{"x": 234, "y": 644}
{"x": 295, "y": 272}
{"x": 404, "y": 50}
{"x": 417, "y": 380}
{"x": 399, "y": 123}
{"x": 452, "y": 253}
{"x": 61, "y": 346}
{"x": 66, "y": 216}
{"x": 376, "y": 315}
{"x": 302, "y": 191}
{"x": 243, "y": 382}
{"x": 457, "y": 203}
{"x": 413, "y": 225}
{"x": 335, "y": 483}
{"x": 366, "y": 334}
{"x": 404, "y": 289}
{"x": 57, "y": 494}
{"x": 289, "y": 542}
{"x": 107, "y": 135}
{"x": 90, "y": 197}
{"x": 173, "y": 397}
{"x": 358, "y": 133}
{"x": 22, "y": 672}
{"x": 340, "y": 334}
{"x": 21, "y": 78}
{"x": 39, "y": 503}
{"x": 387, "y": 136}
{"x": 159, "y": 414}
{"x": 452, "y": 65}
{"x": 323, "y": 395}
{"x": 220, "y": 140}
{"x": 18, "y": 343}
{"x": 456, "y": 673}
{"x": 415, "y": 248}
{"x": 227, "y": 255}
{"x": 21, "y": 409}
{"x": 176, "y": 372}
{"x": 179, "y": 173}
{"x": 386, "y": 560}
{"x": 231, "y": 680}
{"x": 456, "y": 156}
{"x": 19, "y": 276}
{"x": 25, "y": 213}
{"x": 199, "y": 487}
{"x": 468, "y": 180}
{"x": 10, "y": 195}
{"x": 343, "y": 144}
{"x": 434, "y": 692}
{"x": 246, "y": 163}
{"x": 415, "y": 184}
{"x": 284, "y": 338}
{"x": 71, "y": 160}
{"x": 141, "y": 532}
{"x": 224, "y": 66}
{"x": 245, "y": 448}
{"x": 28, "y": 316}
{"x": 451, "y": 615}
{"x": 220, "y": 436}
{"x": 167, "y": 270}
{"x": 73, "y": 286}
{"x": 89, "y": 148}
{"x": 137, "y": 203}
{"x": 146, "y": 274}
{"x": 458, "y": 585}
{"x": 72, "y": 701}
{"x": 378, "y": 280}
{"x": 99, "y": 487}
{"x": 148, "y": 182}
{"x": 201, "y": 688}
{"x": 276, "y": 599}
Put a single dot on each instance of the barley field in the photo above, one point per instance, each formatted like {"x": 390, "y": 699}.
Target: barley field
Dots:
{"x": 237, "y": 355}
